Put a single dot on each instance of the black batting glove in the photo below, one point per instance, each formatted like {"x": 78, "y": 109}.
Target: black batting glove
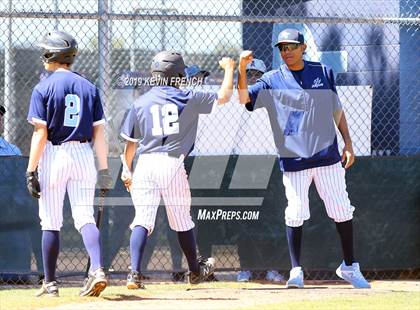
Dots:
{"x": 104, "y": 180}
{"x": 32, "y": 184}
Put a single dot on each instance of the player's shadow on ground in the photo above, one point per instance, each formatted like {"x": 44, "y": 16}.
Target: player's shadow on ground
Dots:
{"x": 281, "y": 288}
{"x": 124, "y": 297}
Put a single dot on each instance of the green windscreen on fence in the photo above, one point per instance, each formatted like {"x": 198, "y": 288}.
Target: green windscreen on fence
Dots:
{"x": 385, "y": 192}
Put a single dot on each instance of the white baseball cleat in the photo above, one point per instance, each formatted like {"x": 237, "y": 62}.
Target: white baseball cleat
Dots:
{"x": 296, "y": 278}
{"x": 48, "y": 289}
{"x": 244, "y": 276}
{"x": 274, "y": 276}
{"x": 352, "y": 275}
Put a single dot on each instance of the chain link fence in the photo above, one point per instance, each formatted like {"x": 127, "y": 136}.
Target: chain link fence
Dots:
{"x": 372, "y": 46}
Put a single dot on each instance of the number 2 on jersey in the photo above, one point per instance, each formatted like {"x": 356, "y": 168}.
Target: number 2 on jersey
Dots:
{"x": 71, "y": 114}
{"x": 169, "y": 119}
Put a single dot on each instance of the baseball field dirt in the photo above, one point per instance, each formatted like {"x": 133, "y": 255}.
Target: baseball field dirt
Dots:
{"x": 227, "y": 295}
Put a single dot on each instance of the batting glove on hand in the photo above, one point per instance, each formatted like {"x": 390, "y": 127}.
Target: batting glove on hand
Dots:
{"x": 126, "y": 177}
{"x": 104, "y": 180}
{"x": 32, "y": 184}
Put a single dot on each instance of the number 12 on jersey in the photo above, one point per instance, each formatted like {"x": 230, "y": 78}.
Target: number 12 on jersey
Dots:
{"x": 166, "y": 115}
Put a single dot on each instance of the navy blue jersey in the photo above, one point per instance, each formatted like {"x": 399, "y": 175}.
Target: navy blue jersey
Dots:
{"x": 301, "y": 107}
{"x": 68, "y": 104}
{"x": 165, "y": 119}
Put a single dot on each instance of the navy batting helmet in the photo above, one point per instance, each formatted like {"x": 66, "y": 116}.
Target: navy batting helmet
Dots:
{"x": 58, "y": 47}
{"x": 168, "y": 64}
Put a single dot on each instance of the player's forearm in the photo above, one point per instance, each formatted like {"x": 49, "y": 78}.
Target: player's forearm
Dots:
{"x": 129, "y": 153}
{"x": 343, "y": 128}
{"x": 39, "y": 139}
{"x": 226, "y": 89}
{"x": 101, "y": 148}
{"x": 243, "y": 86}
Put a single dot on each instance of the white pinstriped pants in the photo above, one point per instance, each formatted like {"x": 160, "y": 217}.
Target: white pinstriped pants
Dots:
{"x": 69, "y": 166}
{"x": 158, "y": 175}
{"x": 331, "y": 186}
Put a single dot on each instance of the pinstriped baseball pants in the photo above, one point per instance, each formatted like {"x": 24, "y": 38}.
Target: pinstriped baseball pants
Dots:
{"x": 331, "y": 186}
{"x": 69, "y": 166}
{"x": 158, "y": 175}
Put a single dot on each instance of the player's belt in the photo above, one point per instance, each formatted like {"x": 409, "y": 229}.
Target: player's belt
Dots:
{"x": 81, "y": 141}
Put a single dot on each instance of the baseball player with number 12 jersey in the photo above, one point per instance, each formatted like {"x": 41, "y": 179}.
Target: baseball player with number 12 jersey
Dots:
{"x": 67, "y": 114}
{"x": 164, "y": 124}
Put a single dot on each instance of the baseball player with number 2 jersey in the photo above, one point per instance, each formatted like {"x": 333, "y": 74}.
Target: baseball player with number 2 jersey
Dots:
{"x": 67, "y": 115}
{"x": 302, "y": 104}
{"x": 163, "y": 124}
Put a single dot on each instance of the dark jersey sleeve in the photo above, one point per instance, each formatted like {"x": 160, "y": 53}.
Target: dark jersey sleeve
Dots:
{"x": 202, "y": 101}
{"x": 130, "y": 129}
{"x": 37, "y": 108}
{"x": 257, "y": 92}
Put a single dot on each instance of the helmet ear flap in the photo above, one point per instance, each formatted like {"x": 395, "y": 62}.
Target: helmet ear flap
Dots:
{"x": 46, "y": 56}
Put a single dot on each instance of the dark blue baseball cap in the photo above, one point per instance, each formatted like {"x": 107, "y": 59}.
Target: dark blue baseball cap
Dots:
{"x": 290, "y": 35}
{"x": 193, "y": 70}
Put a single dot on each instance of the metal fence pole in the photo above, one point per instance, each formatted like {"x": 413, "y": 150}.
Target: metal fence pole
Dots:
{"x": 56, "y": 22}
{"x": 8, "y": 79}
{"x": 104, "y": 49}
{"x": 104, "y": 54}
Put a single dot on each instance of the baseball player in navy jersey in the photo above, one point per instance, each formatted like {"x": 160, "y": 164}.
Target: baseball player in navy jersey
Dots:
{"x": 302, "y": 104}
{"x": 163, "y": 122}
{"x": 67, "y": 114}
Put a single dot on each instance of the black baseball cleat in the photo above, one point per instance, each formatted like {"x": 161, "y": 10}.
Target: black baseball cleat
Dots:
{"x": 134, "y": 281}
{"x": 206, "y": 270}
{"x": 48, "y": 289}
{"x": 94, "y": 284}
